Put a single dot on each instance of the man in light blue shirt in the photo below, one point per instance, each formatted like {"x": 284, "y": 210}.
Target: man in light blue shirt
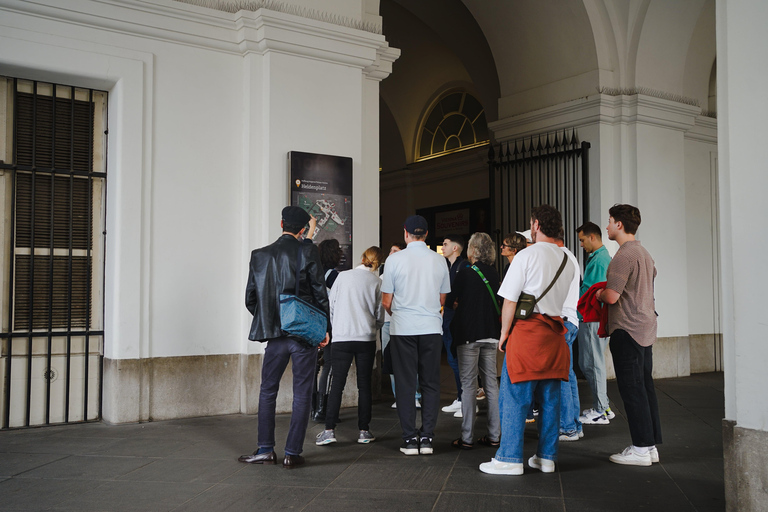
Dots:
{"x": 413, "y": 292}
{"x": 591, "y": 346}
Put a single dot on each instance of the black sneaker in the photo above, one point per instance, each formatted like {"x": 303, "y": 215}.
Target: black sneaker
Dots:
{"x": 425, "y": 446}
{"x": 410, "y": 446}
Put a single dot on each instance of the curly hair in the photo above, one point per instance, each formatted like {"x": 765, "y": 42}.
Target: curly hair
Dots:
{"x": 330, "y": 253}
{"x": 481, "y": 248}
{"x": 550, "y": 220}
{"x": 373, "y": 257}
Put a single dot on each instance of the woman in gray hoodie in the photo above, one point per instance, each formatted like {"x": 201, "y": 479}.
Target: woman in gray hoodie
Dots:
{"x": 356, "y": 316}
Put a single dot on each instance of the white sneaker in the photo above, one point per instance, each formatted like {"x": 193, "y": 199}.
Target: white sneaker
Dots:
{"x": 459, "y": 414}
{"x": 609, "y": 413}
{"x": 502, "y": 468}
{"x": 654, "y": 455}
{"x": 631, "y": 458}
{"x": 545, "y": 465}
{"x": 592, "y": 417}
{"x": 455, "y": 406}
{"x": 394, "y": 405}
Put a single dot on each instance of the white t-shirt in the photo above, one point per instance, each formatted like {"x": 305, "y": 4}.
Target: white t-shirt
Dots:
{"x": 532, "y": 270}
{"x": 416, "y": 276}
{"x": 572, "y": 301}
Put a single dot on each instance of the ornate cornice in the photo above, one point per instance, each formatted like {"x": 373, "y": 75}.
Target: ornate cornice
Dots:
{"x": 242, "y": 32}
{"x": 275, "y": 5}
{"x": 599, "y": 108}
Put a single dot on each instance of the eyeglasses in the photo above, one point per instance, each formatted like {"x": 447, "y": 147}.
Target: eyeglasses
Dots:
{"x": 507, "y": 246}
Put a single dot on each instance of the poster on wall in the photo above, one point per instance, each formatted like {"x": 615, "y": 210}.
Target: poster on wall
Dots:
{"x": 322, "y": 185}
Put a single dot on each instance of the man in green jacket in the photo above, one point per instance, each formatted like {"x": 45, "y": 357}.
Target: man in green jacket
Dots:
{"x": 591, "y": 346}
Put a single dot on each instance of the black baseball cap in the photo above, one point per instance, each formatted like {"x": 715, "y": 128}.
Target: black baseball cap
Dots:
{"x": 416, "y": 225}
{"x": 295, "y": 215}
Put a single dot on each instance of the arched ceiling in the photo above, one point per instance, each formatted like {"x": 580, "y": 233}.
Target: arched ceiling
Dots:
{"x": 539, "y": 45}
{"x": 441, "y": 48}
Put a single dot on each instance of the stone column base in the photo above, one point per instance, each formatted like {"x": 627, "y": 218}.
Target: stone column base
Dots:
{"x": 745, "y": 458}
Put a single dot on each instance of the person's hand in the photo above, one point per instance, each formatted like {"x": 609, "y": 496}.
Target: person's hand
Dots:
{"x": 599, "y": 295}
{"x": 325, "y": 340}
{"x": 312, "y": 227}
{"x": 502, "y": 341}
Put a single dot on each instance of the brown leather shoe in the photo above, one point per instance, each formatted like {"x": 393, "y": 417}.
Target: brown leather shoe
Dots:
{"x": 269, "y": 458}
{"x": 292, "y": 461}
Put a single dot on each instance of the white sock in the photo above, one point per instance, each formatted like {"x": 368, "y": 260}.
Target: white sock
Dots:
{"x": 642, "y": 450}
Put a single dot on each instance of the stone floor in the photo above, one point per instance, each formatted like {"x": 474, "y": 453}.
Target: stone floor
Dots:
{"x": 191, "y": 465}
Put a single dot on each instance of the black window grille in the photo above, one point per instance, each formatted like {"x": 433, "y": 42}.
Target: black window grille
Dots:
{"x": 55, "y": 186}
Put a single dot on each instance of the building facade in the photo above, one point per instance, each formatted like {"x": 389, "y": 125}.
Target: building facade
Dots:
{"x": 195, "y": 105}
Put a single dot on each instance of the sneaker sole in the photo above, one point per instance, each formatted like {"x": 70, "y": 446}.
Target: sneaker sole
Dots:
{"x": 626, "y": 462}
{"x": 568, "y": 439}
{"x": 365, "y": 441}
{"x": 327, "y": 441}
{"x": 410, "y": 451}
{"x": 505, "y": 472}
{"x": 426, "y": 451}
{"x": 585, "y": 421}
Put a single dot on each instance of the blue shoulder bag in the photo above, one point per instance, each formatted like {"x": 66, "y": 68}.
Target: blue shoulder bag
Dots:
{"x": 298, "y": 318}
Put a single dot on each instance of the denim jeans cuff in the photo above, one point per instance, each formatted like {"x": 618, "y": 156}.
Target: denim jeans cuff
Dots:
{"x": 547, "y": 456}
{"x": 512, "y": 460}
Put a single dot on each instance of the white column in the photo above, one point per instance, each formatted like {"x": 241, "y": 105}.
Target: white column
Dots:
{"x": 742, "y": 134}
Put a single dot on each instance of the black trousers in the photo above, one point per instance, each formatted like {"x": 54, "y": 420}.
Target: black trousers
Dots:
{"x": 412, "y": 356}
{"x": 364, "y": 353}
{"x": 634, "y": 376}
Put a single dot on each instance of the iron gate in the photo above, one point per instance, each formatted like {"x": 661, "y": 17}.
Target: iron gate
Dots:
{"x": 53, "y": 184}
{"x": 544, "y": 169}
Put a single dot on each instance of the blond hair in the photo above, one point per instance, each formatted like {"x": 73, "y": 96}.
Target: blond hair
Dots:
{"x": 372, "y": 257}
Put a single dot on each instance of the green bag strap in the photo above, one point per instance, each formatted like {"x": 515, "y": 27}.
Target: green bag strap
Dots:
{"x": 488, "y": 285}
{"x": 559, "y": 271}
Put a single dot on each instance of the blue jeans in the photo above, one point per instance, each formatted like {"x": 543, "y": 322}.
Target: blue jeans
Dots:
{"x": 276, "y": 356}
{"x": 447, "y": 342}
{"x": 514, "y": 401}
{"x": 592, "y": 363}
{"x": 569, "y": 391}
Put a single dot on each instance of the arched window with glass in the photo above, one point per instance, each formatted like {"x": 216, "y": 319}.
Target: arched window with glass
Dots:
{"x": 455, "y": 122}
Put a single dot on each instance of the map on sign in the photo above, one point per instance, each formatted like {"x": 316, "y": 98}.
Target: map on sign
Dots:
{"x": 322, "y": 186}
{"x": 332, "y": 213}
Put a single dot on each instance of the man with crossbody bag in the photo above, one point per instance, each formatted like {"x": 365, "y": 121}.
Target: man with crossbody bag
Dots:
{"x": 285, "y": 277}
{"x": 536, "y": 354}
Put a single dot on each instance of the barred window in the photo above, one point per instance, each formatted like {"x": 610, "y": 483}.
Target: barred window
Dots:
{"x": 52, "y": 194}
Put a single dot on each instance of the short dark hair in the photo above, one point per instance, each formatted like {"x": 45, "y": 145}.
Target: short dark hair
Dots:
{"x": 399, "y": 245}
{"x": 330, "y": 253}
{"x": 550, "y": 220}
{"x": 628, "y": 215}
{"x": 292, "y": 228}
{"x": 590, "y": 228}
{"x": 457, "y": 239}
{"x": 516, "y": 241}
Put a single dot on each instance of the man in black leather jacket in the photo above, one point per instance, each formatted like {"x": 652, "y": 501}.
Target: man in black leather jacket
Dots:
{"x": 272, "y": 271}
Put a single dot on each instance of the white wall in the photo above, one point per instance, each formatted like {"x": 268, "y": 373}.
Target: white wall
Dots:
{"x": 204, "y": 107}
{"x": 742, "y": 133}
{"x": 701, "y": 228}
